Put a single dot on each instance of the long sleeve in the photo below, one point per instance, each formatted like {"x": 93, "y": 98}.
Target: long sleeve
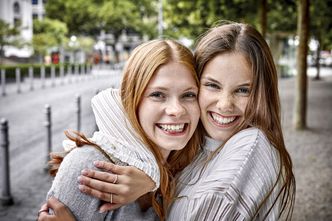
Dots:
{"x": 117, "y": 137}
{"x": 233, "y": 183}
{"x": 65, "y": 184}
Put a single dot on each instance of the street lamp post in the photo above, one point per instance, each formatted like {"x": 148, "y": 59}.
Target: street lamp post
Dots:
{"x": 160, "y": 18}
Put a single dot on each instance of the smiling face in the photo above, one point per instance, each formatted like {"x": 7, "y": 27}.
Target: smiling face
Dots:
{"x": 169, "y": 111}
{"x": 224, "y": 94}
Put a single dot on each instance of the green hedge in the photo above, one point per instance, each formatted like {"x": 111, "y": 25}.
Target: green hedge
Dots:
{"x": 11, "y": 75}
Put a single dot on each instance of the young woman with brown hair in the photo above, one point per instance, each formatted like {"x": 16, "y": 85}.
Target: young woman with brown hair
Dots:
{"x": 162, "y": 114}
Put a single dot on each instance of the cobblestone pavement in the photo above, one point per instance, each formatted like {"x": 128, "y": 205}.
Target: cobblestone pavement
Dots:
{"x": 310, "y": 149}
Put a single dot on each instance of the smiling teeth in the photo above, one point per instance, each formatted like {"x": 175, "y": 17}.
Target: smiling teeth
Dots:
{"x": 222, "y": 120}
{"x": 172, "y": 127}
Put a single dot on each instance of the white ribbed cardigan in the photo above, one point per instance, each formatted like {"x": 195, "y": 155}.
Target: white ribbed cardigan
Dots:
{"x": 118, "y": 138}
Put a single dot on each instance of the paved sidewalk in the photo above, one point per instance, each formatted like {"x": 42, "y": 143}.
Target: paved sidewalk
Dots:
{"x": 310, "y": 149}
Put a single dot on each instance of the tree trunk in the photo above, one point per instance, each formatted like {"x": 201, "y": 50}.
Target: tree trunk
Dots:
{"x": 301, "y": 78}
{"x": 317, "y": 77}
{"x": 263, "y": 17}
{"x": 2, "y": 53}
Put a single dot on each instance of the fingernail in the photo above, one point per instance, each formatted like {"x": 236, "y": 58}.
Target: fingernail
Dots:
{"x": 81, "y": 188}
{"x": 80, "y": 179}
{"x": 101, "y": 210}
{"x": 97, "y": 163}
{"x": 84, "y": 172}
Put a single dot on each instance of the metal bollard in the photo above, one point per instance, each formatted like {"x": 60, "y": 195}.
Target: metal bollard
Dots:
{"x": 5, "y": 197}
{"x": 3, "y": 82}
{"x": 76, "y": 72}
{"x": 69, "y": 73}
{"x": 62, "y": 71}
{"x": 31, "y": 78}
{"x": 42, "y": 76}
{"x": 53, "y": 76}
{"x": 78, "y": 111}
{"x": 18, "y": 80}
{"x": 48, "y": 126}
{"x": 96, "y": 126}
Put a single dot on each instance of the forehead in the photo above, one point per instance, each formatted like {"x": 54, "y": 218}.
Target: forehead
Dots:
{"x": 227, "y": 66}
{"x": 173, "y": 73}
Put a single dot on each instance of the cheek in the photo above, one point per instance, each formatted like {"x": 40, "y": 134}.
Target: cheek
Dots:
{"x": 243, "y": 104}
{"x": 202, "y": 99}
{"x": 194, "y": 111}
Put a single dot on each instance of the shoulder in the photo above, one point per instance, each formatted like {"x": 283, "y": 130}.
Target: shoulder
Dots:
{"x": 80, "y": 158}
{"x": 65, "y": 185}
{"x": 243, "y": 172}
{"x": 248, "y": 159}
{"x": 248, "y": 141}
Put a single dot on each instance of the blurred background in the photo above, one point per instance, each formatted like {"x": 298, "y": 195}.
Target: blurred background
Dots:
{"x": 55, "y": 55}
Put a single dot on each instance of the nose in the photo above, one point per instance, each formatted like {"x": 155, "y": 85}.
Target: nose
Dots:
{"x": 225, "y": 103}
{"x": 175, "y": 108}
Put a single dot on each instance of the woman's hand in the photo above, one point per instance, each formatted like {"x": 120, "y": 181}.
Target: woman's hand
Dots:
{"x": 118, "y": 185}
{"x": 61, "y": 212}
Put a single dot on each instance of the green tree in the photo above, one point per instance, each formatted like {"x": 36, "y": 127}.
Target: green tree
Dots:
{"x": 192, "y": 18}
{"x": 321, "y": 28}
{"x": 8, "y": 36}
{"x": 48, "y": 33}
{"x": 130, "y": 16}
{"x": 80, "y": 16}
{"x": 90, "y": 17}
{"x": 281, "y": 26}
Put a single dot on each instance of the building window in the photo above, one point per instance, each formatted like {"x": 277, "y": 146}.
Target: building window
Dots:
{"x": 34, "y": 16}
{"x": 17, "y": 22}
{"x": 35, "y": 2}
{"x": 16, "y": 8}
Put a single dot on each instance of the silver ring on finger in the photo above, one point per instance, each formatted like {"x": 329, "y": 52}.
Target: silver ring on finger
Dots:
{"x": 41, "y": 211}
{"x": 115, "y": 179}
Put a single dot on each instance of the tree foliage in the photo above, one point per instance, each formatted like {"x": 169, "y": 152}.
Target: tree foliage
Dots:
{"x": 89, "y": 17}
{"x": 80, "y": 16}
{"x": 8, "y": 36}
{"x": 192, "y": 18}
{"x": 48, "y": 33}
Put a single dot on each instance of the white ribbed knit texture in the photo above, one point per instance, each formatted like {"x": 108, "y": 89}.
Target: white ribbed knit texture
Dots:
{"x": 116, "y": 135}
{"x": 233, "y": 183}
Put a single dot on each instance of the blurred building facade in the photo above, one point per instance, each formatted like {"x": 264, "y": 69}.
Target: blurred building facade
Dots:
{"x": 18, "y": 12}
{"x": 38, "y": 9}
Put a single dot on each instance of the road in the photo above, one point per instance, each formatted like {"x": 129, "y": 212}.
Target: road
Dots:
{"x": 25, "y": 113}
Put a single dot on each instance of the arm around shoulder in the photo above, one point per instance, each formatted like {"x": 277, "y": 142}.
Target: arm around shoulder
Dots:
{"x": 65, "y": 184}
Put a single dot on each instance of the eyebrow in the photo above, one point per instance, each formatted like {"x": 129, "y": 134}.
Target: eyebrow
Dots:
{"x": 217, "y": 82}
{"x": 211, "y": 79}
{"x": 165, "y": 89}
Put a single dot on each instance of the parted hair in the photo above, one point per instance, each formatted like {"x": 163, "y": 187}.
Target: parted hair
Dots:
{"x": 263, "y": 109}
{"x": 143, "y": 63}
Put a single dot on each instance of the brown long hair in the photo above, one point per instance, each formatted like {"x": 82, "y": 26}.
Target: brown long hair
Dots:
{"x": 263, "y": 109}
{"x": 140, "y": 68}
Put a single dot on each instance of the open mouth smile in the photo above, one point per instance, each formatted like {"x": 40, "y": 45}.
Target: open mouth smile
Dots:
{"x": 222, "y": 121}
{"x": 173, "y": 129}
